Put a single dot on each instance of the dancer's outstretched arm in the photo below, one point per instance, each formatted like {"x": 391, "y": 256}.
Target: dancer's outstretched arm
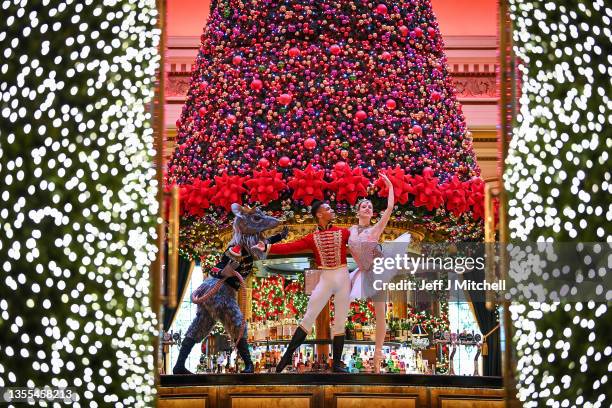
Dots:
{"x": 379, "y": 227}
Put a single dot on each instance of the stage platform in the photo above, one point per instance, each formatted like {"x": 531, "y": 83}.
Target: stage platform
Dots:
{"x": 327, "y": 390}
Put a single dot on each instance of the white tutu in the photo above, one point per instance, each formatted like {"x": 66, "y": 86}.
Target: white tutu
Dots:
{"x": 362, "y": 283}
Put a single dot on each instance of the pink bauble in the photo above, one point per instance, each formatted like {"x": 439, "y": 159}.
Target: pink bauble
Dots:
{"x": 310, "y": 143}
{"x": 294, "y": 52}
{"x": 256, "y": 85}
{"x": 361, "y": 115}
{"x": 237, "y": 60}
{"x": 417, "y": 130}
{"x": 390, "y": 104}
{"x": 335, "y": 49}
{"x": 404, "y": 30}
{"x": 284, "y": 99}
{"x": 264, "y": 163}
{"x": 284, "y": 161}
{"x": 381, "y": 9}
{"x": 386, "y": 56}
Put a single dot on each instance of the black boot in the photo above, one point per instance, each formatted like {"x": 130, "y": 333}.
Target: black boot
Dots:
{"x": 186, "y": 346}
{"x": 245, "y": 355}
{"x": 298, "y": 338}
{"x": 338, "y": 345}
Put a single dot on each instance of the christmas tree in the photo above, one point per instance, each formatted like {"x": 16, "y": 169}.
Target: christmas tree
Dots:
{"x": 292, "y": 101}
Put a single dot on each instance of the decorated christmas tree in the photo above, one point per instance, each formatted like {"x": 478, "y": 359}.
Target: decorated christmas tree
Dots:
{"x": 292, "y": 101}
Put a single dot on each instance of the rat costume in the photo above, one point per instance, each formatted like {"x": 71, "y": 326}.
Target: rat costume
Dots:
{"x": 216, "y": 296}
{"x": 328, "y": 244}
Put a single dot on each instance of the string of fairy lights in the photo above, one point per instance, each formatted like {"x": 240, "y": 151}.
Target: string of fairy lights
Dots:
{"x": 559, "y": 186}
{"x": 78, "y": 204}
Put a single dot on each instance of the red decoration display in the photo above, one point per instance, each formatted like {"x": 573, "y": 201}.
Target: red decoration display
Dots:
{"x": 269, "y": 79}
{"x": 227, "y": 190}
{"x": 265, "y": 186}
{"x": 399, "y": 179}
{"x": 348, "y": 184}
{"x": 308, "y": 185}
{"x": 425, "y": 190}
{"x": 195, "y": 198}
{"x": 454, "y": 196}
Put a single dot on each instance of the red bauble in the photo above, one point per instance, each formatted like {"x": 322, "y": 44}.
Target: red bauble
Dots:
{"x": 231, "y": 119}
{"x": 404, "y": 31}
{"x": 335, "y": 49}
{"x": 264, "y": 163}
{"x": 436, "y": 96}
{"x": 431, "y": 31}
{"x": 284, "y": 99}
{"x": 284, "y": 161}
{"x": 386, "y": 56}
{"x": 418, "y": 32}
{"x": 361, "y": 115}
{"x": 340, "y": 165}
{"x": 294, "y": 52}
{"x": 256, "y": 85}
{"x": 417, "y": 130}
{"x": 237, "y": 60}
{"x": 381, "y": 9}
{"x": 310, "y": 143}
{"x": 202, "y": 111}
{"x": 390, "y": 104}
{"x": 203, "y": 86}
{"x": 178, "y": 123}
{"x": 330, "y": 129}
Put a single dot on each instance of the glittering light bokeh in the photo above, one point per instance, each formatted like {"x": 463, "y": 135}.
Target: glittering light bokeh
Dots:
{"x": 558, "y": 179}
{"x": 77, "y": 188}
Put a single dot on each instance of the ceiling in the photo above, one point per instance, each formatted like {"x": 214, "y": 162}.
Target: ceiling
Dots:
{"x": 456, "y": 17}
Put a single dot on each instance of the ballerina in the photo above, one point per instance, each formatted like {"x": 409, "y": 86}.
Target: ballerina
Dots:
{"x": 364, "y": 246}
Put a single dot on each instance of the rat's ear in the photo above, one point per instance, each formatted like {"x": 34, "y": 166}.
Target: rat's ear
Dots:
{"x": 237, "y": 209}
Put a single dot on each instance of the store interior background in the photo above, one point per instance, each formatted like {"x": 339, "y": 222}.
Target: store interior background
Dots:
{"x": 469, "y": 28}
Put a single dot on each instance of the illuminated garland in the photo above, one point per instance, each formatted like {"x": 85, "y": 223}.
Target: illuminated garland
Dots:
{"x": 268, "y": 298}
{"x": 558, "y": 180}
{"x": 78, "y": 201}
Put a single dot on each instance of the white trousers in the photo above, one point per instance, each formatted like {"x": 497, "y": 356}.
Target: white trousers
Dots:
{"x": 332, "y": 282}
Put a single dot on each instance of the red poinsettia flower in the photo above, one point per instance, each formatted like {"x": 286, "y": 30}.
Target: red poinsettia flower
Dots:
{"x": 308, "y": 185}
{"x": 425, "y": 190}
{"x": 454, "y": 196}
{"x": 475, "y": 196}
{"x": 349, "y": 184}
{"x": 227, "y": 190}
{"x": 195, "y": 198}
{"x": 399, "y": 179}
{"x": 265, "y": 186}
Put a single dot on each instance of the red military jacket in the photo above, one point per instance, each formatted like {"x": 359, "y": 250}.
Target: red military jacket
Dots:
{"x": 327, "y": 244}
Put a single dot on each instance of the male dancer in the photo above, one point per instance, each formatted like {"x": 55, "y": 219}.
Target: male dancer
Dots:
{"x": 328, "y": 243}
